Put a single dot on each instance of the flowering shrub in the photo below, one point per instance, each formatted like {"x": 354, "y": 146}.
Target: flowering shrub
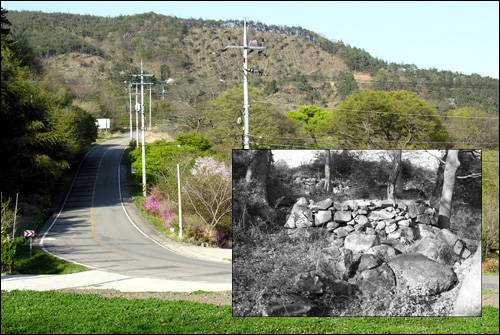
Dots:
{"x": 197, "y": 233}
{"x": 209, "y": 166}
{"x": 219, "y": 237}
{"x": 203, "y": 234}
{"x": 157, "y": 204}
{"x": 491, "y": 265}
{"x": 152, "y": 205}
{"x": 209, "y": 194}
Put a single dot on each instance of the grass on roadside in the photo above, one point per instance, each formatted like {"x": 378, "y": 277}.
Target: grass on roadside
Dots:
{"x": 489, "y": 291}
{"x": 41, "y": 262}
{"x": 64, "y": 313}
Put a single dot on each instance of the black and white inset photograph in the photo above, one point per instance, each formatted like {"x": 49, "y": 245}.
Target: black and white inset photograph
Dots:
{"x": 329, "y": 233}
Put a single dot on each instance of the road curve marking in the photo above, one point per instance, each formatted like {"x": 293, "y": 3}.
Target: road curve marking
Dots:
{"x": 92, "y": 221}
{"x": 58, "y": 214}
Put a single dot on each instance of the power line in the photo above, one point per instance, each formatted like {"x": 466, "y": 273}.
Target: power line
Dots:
{"x": 443, "y": 116}
{"x": 376, "y": 112}
{"x": 278, "y": 145}
{"x": 246, "y": 70}
{"x": 494, "y": 86}
{"x": 374, "y": 141}
{"x": 284, "y": 145}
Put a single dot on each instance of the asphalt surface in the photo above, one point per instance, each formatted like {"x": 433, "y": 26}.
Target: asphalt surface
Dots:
{"x": 100, "y": 227}
{"x": 490, "y": 282}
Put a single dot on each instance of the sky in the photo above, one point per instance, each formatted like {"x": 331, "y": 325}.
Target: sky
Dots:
{"x": 422, "y": 158}
{"x": 294, "y": 158}
{"x": 458, "y": 36}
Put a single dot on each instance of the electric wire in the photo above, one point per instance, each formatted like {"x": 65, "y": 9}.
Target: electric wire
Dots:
{"x": 374, "y": 141}
{"x": 377, "y": 112}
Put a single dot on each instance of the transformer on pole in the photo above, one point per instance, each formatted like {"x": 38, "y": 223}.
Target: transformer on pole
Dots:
{"x": 141, "y": 108}
{"x": 246, "y": 47}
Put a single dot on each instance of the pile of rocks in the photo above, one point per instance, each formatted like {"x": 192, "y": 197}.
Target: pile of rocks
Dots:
{"x": 381, "y": 245}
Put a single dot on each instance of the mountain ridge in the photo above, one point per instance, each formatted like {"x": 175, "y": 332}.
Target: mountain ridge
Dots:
{"x": 303, "y": 67}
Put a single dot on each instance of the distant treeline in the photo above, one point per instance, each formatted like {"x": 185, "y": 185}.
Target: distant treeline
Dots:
{"x": 164, "y": 39}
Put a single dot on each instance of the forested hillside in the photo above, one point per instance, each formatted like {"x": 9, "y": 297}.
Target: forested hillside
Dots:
{"x": 302, "y": 67}
{"x": 62, "y": 71}
{"x": 43, "y": 132}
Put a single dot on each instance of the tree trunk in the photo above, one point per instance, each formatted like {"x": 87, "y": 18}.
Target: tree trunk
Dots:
{"x": 399, "y": 185}
{"x": 256, "y": 180}
{"x": 327, "y": 172}
{"x": 438, "y": 187}
{"x": 392, "y": 189}
{"x": 452, "y": 164}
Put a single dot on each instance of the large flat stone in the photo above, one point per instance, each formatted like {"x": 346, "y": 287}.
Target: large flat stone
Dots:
{"x": 368, "y": 262}
{"x": 380, "y": 215}
{"x": 334, "y": 263}
{"x": 420, "y": 275}
{"x": 378, "y": 280}
{"x": 384, "y": 251}
{"x": 341, "y": 232}
{"x": 342, "y": 216}
{"x": 322, "y": 217}
{"x": 361, "y": 219}
{"x": 446, "y": 235}
{"x": 360, "y": 242}
{"x": 325, "y": 204}
{"x": 434, "y": 249}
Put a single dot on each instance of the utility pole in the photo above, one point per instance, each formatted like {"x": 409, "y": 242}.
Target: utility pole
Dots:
{"x": 130, "y": 108}
{"x": 150, "y": 89}
{"x": 142, "y": 75}
{"x": 143, "y": 136}
{"x": 163, "y": 93}
{"x": 246, "y": 47}
{"x": 130, "y": 83}
{"x": 137, "y": 108}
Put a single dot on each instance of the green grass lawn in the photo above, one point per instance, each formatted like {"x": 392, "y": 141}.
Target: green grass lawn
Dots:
{"x": 65, "y": 313}
{"x": 41, "y": 263}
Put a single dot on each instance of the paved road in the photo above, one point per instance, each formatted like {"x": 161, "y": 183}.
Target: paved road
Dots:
{"x": 490, "y": 282}
{"x": 98, "y": 230}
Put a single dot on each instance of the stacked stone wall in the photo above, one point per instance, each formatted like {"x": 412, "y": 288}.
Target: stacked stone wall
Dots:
{"x": 383, "y": 245}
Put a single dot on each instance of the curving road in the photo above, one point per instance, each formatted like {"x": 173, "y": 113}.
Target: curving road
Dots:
{"x": 95, "y": 230}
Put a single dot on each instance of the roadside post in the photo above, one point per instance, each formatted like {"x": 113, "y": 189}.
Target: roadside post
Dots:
{"x": 180, "y": 204}
{"x": 30, "y": 234}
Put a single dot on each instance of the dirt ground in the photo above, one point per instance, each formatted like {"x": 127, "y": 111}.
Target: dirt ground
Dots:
{"x": 490, "y": 300}
{"x": 215, "y": 298}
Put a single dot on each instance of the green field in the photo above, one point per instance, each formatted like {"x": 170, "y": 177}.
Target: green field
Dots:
{"x": 67, "y": 313}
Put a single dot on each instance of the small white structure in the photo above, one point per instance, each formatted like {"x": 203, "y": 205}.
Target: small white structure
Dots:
{"x": 103, "y": 124}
